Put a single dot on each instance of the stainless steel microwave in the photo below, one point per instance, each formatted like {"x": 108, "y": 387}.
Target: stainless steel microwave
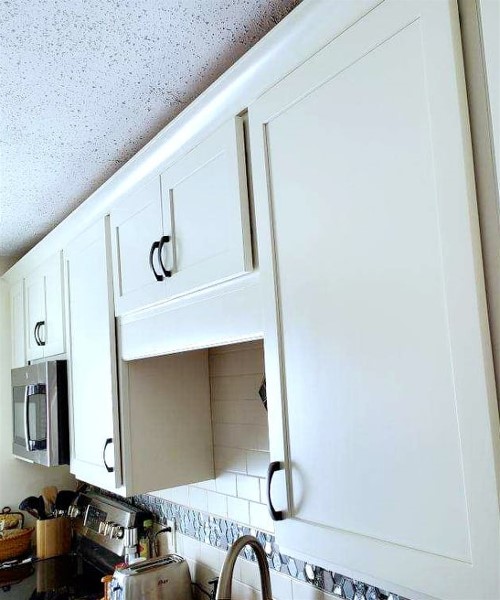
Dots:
{"x": 40, "y": 413}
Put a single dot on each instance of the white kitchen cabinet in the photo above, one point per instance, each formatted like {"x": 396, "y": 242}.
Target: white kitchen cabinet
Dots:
{"x": 189, "y": 233}
{"x": 379, "y": 372}
{"x": 156, "y": 433}
{"x": 44, "y": 317}
{"x": 136, "y": 225}
{"x": 17, "y": 325}
{"x": 95, "y": 428}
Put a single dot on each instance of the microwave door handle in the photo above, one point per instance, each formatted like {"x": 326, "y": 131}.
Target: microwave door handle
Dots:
{"x": 27, "y": 437}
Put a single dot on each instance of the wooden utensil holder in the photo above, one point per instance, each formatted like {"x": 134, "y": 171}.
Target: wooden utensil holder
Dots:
{"x": 53, "y": 537}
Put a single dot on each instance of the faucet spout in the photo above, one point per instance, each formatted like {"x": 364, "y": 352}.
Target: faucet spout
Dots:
{"x": 224, "y": 589}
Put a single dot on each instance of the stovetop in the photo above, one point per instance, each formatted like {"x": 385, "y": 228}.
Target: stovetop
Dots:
{"x": 103, "y": 530}
{"x": 69, "y": 577}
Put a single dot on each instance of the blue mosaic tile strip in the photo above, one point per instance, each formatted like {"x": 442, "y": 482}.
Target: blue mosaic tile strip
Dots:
{"x": 221, "y": 533}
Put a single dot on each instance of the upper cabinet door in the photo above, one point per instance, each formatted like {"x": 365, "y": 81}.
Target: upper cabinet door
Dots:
{"x": 44, "y": 310}
{"x": 379, "y": 370}
{"x": 95, "y": 439}
{"x": 35, "y": 314}
{"x": 136, "y": 230}
{"x": 206, "y": 213}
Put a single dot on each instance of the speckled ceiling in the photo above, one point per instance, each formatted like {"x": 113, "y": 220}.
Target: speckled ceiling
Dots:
{"x": 85, "y": 84}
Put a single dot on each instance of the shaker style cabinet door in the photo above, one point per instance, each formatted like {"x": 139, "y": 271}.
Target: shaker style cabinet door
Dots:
{"x": 44, "y": 319}
{"x": 206, "y": 214}
{"x": 95, "y": 437}
{"x": 35, "y": 314}
{"x": 136, "y": 230}
{"x": 379, "y": 372}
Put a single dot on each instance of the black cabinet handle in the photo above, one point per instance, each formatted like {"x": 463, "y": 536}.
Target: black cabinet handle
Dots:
{"x": 276, "y": 515}
{"x": 36, "y": 333}
{"x": 164, "y": 240}
{"x": 42, "y": 324}
{"x": 108, "y": 442}
{"x": 154, "y": 246}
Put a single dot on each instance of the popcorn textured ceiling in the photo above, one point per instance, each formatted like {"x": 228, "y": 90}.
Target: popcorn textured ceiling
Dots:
{"x": 85, "y": 84}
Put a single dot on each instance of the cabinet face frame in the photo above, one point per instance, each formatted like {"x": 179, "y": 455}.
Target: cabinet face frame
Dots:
{"x": 370, "y": 559}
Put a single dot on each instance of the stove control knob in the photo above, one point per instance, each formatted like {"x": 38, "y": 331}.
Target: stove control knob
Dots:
{"x": 102, "y": 527}
{"x": 115, "y": 531}
{"x": 74, "y": 511}
{"x": 108, "y": 529}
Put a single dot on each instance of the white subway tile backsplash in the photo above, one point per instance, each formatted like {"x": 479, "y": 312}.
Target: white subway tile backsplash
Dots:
{"x": 211, "y": 557}
{"x": 230, "y": 459}
{"x": 207, "y": 485}
{"x": 250, "y": 574}
{"x": 245, "y": 412}
{"x": 225, "y": 483}
{"x": 238, "y": 510}
{"x": 179, "y": 495}
{"x": 235, "y": 387}
{"x": 260, "y": 517}
{"x": 281, "y": 586}
{"x": 198, "y": 498}
{"x": 217, "y": 504}
{"x": 263, "y": 491}
{"x": 246, "y": 437}
{"x": 248, "y": 487}
{"x": 257, "y": 463}
{"x": 244, "y": 592}
{"x": 192, "y": 548}
{"x": 302, "y": 591}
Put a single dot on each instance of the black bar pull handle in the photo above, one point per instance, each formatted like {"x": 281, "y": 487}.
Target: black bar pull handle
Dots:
{"x": 40, "y": 325}
{"x": 107, "y": 443}
{"x": 154, "y": 246}
{"x": 276, "y": 515}
{"x": 35, "y": 333}
{"x": 164, "y": 240}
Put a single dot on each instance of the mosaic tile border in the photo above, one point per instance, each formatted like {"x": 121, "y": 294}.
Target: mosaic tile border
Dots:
{"x": 221, "y": 533}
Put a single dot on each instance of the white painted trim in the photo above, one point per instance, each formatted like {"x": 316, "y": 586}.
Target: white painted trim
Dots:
{"x": 224, "y": 314}
{"x": 303, "y": 32}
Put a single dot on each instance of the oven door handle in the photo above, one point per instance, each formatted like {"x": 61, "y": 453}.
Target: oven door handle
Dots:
{"x": 29, "y": 391}
{"x": 27, "y": 437}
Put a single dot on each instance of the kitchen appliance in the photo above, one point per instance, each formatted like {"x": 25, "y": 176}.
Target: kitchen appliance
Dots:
{"x": 40, "y": 413}
{"x": 164, "y": 578}
{"x": 113, "y": 525}
{"x": 97, "y": 551}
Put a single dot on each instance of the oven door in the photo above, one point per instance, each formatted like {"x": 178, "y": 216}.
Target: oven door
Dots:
{"x": 30, "y": 414}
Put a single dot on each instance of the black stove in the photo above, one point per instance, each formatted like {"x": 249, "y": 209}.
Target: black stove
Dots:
{"x": 106, "y": 531}
{"x": 69, "y": 577}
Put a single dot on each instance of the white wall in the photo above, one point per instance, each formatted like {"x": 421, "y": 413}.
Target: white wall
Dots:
{"x": 17, "y": 478}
